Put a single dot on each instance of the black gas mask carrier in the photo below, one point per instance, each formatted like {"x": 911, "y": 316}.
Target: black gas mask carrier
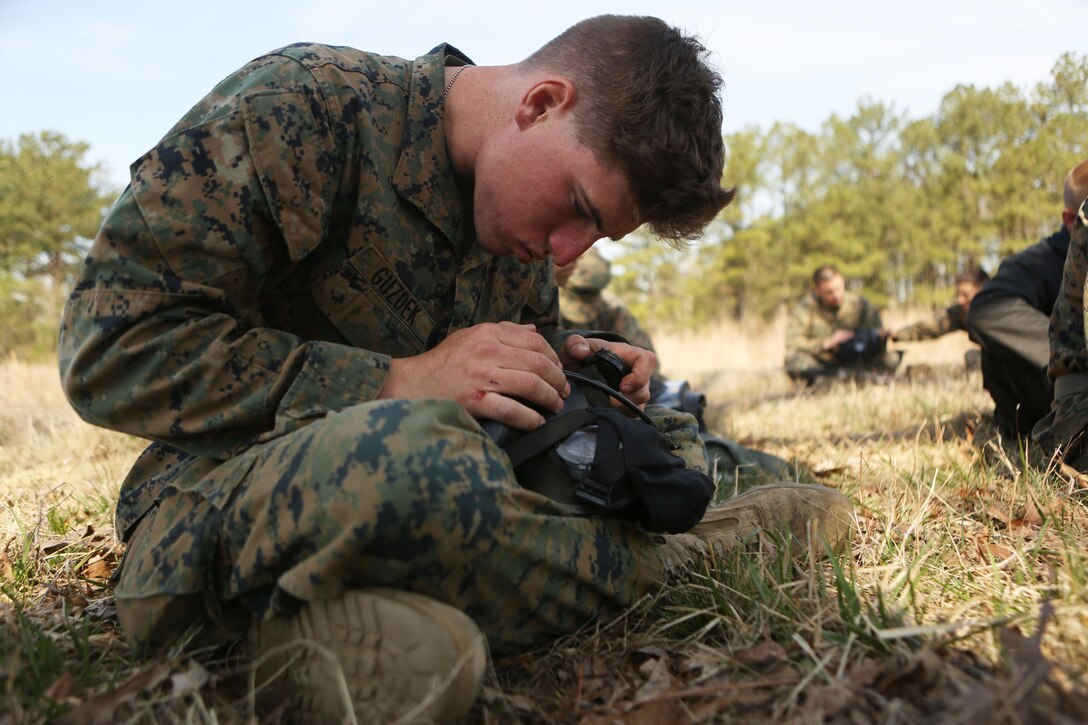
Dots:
{"x": 595, "y": 461}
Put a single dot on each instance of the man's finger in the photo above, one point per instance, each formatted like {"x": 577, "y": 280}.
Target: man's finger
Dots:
{"x": 506, "y": 410}
{"x": 527, "y": 338}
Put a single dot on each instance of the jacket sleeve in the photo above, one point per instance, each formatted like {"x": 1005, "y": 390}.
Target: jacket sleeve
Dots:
{"x": 942, "y": 323}
{"x": 800, "y": 336}
{"x": 162, "y": 336}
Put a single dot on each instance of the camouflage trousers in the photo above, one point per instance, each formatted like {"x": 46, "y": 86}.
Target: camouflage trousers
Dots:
{"x": 405, "y": 494}
{"x": 1063, "y": 432}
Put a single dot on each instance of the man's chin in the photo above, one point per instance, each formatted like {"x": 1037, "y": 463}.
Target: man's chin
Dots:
{"x": 495, "y": 250}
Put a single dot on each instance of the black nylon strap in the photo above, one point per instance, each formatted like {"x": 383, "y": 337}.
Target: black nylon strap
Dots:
{"x": 554, "y": 430}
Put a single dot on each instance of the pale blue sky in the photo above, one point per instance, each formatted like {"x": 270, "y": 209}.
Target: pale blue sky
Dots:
{"x": 117, "y": 74}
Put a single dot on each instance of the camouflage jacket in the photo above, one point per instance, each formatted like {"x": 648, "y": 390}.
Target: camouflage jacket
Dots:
{"x": 810, "y": 322}
{"x": 595, "y": 310}
{"x": 950, "y": 320}
{"x": 297, "y": 229}
{"x": 1068, "y": 349}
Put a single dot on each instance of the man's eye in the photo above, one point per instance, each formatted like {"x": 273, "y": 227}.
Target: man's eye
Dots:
{"x": 577, "y": 208}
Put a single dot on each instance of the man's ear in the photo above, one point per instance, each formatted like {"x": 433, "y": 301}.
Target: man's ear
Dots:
{"x": 543, "y": 99}
{"x": 1068, "y": 217}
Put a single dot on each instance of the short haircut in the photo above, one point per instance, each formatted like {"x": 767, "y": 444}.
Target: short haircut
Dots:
{"x": 972, "y": 275}
{"x": 824, "y": 273}
{"x": 647, "y": 103}
{"x": 1076, "y": 186}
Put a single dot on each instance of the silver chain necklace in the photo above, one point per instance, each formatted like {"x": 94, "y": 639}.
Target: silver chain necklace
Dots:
{"x": 455, "y": 74}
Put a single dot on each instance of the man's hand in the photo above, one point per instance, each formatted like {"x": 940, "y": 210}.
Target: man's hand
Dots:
{"x": 494, "y": 369}
{"x": 837, "y": 338}
{"x": 636, "y": 384}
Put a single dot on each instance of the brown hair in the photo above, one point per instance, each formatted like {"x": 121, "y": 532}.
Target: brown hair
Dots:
{"x": 648, "y": 104}
{"x": 824, "y": 273}
{"x": 972, "y": 275}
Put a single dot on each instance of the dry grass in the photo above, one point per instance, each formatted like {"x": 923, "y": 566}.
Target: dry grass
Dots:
{"x": 964, "y": 597}
{"x": 50, "y": 460}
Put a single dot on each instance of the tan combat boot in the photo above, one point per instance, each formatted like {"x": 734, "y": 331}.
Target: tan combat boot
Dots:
{"x": 794, "y": 512}
{"x": 802, "y": 512}
{"x": 369, "y": 656}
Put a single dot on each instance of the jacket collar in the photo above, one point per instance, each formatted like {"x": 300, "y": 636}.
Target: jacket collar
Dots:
{"x": 424, "y": 175}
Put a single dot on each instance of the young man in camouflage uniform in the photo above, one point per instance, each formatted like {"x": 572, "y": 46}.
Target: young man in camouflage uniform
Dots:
{"x": 822, "y": 321}
{"x": 313, "y": 288}
{"x": 952, "y": 319}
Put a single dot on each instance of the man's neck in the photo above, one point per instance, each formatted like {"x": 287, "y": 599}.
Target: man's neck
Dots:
{"x": 473, "y": 112}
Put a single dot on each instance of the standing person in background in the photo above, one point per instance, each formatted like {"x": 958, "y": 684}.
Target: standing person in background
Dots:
{"x": 1010, "y": 320}
{"x": 832, "y": 332}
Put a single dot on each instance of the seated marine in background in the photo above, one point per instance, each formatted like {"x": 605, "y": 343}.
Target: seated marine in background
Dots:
{"x": 952, "y": 319}
{"x": 584, "y": 304}
{"x": 835, "y": 333}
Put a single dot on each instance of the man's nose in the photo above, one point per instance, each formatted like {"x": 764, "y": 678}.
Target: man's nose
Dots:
{"x": 567, "y": 245}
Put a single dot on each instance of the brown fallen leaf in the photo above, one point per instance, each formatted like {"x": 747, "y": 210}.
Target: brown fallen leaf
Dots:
{"x": 762, "y": 653}
{"x": 52, "y": 547}
{"x": 826, "y": 701}
{"x": 62, "y": 687}
{"x": 653, "y": 713}
{"x": 865, "y": 673}
{"x": 1074, "y": 475}
{"x": 994, "y": 552}
{"x": 6, "y": 569}
{"x": 656, "y": 713}
{"x": 1026, "y": 660}
{"x": 1033, "y": 512}
{"x": 700, "y": 665}
{"x": 97, "y": 568}
{"x": 1000, "y": 513}
{"x": 658, "y": 679}
{"x": 104, "y": 708}
{"x": 911, "y": 668}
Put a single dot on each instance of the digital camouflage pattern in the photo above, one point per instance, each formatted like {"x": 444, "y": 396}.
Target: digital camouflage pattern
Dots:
{"x": 405, "y": 494}
{"x": 1063, "y": 429}
{"x": 300, "y": 226}
{"x": 952, "y": 319}
{"x": 810, "y": 322}
{"x": 585, "y": 305}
